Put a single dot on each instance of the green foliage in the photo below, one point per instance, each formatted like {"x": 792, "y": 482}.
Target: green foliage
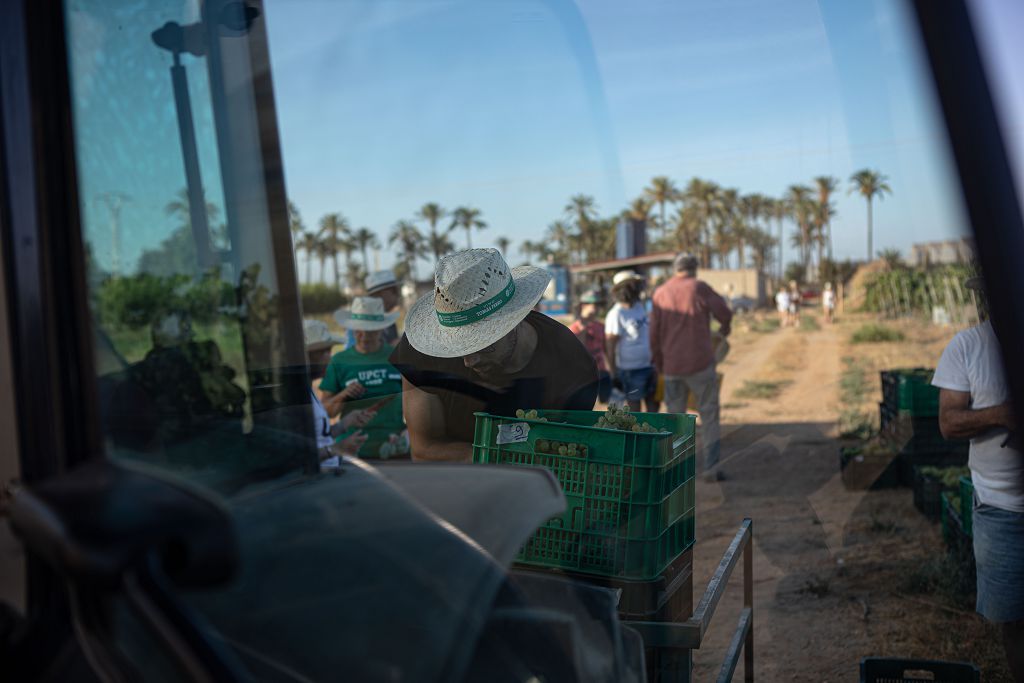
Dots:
{"x": 795, "y": 271}
{"x": 809, "y": 324}
{"x": 137, "y": 301}
{"x": 837, "y": 271}
{"x": 760, "y": 389}
{"x": 765, "y": 325}
{"x": 904, "y": 290}
{"x": 318, "y": 298}
{"x": 893, "y": 258}
{"x": 873, "y": 333}
{"x": 853, "y": 424}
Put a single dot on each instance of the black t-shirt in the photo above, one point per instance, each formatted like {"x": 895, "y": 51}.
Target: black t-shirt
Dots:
{"x": 560, "y": 376}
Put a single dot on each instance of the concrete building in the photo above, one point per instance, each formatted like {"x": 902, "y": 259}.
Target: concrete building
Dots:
{"x": 940, "y": 253}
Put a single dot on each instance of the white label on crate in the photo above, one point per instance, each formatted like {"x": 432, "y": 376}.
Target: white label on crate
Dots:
{"x": 513, "y": 432}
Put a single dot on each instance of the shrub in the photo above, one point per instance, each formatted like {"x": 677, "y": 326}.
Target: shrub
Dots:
{"x": 318, "y": 298}
{"x": 760, "y": 389}
{"x": 871, "y": 333}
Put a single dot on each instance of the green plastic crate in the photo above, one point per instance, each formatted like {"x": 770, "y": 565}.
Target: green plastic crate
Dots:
{"x": 630, "y": 499}
{"x": 910, "y": 390}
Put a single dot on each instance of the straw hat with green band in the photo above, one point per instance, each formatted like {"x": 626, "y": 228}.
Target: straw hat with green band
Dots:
{"x": 477, "y": 300}
{"x": 366, "y": 313}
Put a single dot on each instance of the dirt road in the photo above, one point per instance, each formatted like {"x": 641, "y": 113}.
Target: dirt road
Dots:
{"x": 827, "y": 562}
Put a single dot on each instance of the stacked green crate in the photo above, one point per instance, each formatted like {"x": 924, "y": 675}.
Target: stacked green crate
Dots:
{"x": 630, "y": 495}
{"x": 909, "y": 421}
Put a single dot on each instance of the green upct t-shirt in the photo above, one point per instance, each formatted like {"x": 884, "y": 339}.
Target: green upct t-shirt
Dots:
{"x": 381, "y": 379}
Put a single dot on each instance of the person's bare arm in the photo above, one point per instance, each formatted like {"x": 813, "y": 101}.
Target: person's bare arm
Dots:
{"x": 333, "y": 403}
{"x": 428, "y": 440}
{"x": 957, "y": 420}
{"x": 720, "y": 311}
{"x": 610, "y": 342}
{"x": 655, "y": 336}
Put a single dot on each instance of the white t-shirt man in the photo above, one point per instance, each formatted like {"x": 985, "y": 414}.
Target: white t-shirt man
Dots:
{"x": 971, "y": 363}
{"x": 828, "y": 299}
{"x": 782, "y": 301}
{"x": 631, "y": 327}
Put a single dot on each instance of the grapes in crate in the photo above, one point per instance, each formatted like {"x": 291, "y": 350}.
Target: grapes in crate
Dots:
{"x": 623, "y": 420}
{"x": 529, "y": 415}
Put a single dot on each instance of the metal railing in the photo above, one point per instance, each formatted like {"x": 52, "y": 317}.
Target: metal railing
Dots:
{"x": 689, "y": 634}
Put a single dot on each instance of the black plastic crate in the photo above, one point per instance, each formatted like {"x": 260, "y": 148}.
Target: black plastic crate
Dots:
{"x": 927, "y": 495}
{"x": 882, "y": 670}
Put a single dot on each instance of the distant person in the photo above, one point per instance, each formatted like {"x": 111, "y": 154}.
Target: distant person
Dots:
{"x": 590, "y": 330}
{"x": 682, "y": 349}
{"x": 475, "y": 344}
{"x": 828, "y": 303}
{"x": 319, "y": 342}
{"x": 382, "y": 285}
{"x": 794, "y": 303}
{"x": 974, "y": 403}
{"x": 628, "y": 345}
{"x": 364, "y": 379}
{"x": 782, "y": 306}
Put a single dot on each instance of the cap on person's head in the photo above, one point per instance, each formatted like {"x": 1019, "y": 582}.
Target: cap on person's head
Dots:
{"x": 366, "y": 313}
{"x": 318, "y": 336}
{"x": 685, "y": 262}
{"x": 380, "y": 280}
{"x": 828, "y": 286}
{"x": 591, "y": 296}
{"x": 477, "y": 300}
{"x": 624, "y": 276}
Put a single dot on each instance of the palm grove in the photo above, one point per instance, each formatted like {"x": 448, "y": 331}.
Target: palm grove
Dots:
{"x": 722, "y": 226}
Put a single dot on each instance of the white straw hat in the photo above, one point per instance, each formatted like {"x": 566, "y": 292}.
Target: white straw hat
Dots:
{"x": 381, "y": 279}
{"x": 318, "y": 335}
{"x": 477, "y": 300}
{"x": 366, "y": 313}
{"x": 624, "y": 276}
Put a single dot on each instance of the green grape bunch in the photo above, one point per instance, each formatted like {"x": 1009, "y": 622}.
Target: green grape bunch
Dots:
{"x": 619, "y": 418}
{"x": 529, "y": 415}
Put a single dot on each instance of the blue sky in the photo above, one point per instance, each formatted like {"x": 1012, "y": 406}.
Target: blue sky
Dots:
{"x": 514, "y": 106}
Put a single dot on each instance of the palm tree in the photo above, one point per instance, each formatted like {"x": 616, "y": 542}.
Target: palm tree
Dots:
{"x": 541, "y": 250}
{"x": 333, "y": 227}
{"x": 504, "y": 244}
{"x": 662, "y": 191}
{"x": 778, "y": 209}
{"x": 704, "y": 197}
{"x": 295, "y": 221}
{"x": 439, "y": 244}
{"x": 687, "y": 228}
{"x": 467, "y": 218}
{"x": 826, "y": 185}
{"x": 354, "y": 273}
{"x": 323, "y": 251}
{"x": 432, "y": 213}
{"x": 561, "y": 237}
{"x": 308, "y": 243}
{"x": 411, "y": 245}
{"x": 869, "y": 184}
{"x": 582, "y": 209}
{"x": 364, "y": 239}
{"x": 798, "y": 199}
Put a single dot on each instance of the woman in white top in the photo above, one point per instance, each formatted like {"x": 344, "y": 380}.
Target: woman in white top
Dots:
{"x": 828, "y": 302}
{"x": 627, "y": 343}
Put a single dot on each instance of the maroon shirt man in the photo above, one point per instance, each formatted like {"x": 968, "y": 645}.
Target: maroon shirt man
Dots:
{"x": 681, "y": 346}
